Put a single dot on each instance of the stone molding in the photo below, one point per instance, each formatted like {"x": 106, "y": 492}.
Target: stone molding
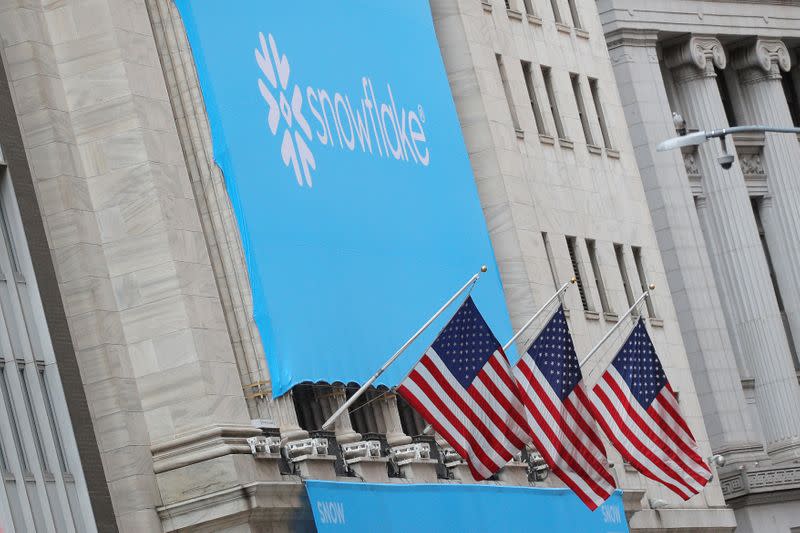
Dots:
{"x": 761, "y": 59}
{"x": 631, "y": 37}
{"x": 745, "y": 482}
{"x": 274, "y": 503}
{"x": 696, "y": 57}
{"x": 202, "y": 445}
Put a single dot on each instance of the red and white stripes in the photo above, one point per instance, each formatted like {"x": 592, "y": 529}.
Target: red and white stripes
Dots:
{"x": 656, "y": 441}
{"x": 565, "y": 434}
{"x": 481, "y": 422}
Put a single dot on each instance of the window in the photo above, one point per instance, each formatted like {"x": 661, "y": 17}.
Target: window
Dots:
{"x": 13, "y": 420}
{"x": 48, "y": 405}
{"x": 623, "y": 272}
{"x": 725, "y": 96}
{"x": 549, "y": 252}
{"x": 576, "y": 269}
{"x": 573, "y": 9}
{"x": 537, "y": 113}
{"x": 598, "y": 108}
{"x": 637, "y": 259}
{"x": 598, "y": 275}
{"x": 509, "y": 100}
{"x": 529, "y": 7}
{"x": 9, "y": 242}
{"x": 790, "y": 91}
{"x": 756, "y": 205}
{"x": 556, "y": 11}
{"x": 576, "y": 90}
{"x": 551, "y": 97}
{"x": 37, "y": 435}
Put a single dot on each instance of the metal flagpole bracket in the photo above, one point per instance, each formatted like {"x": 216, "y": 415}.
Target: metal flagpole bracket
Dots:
{"x": 639, "y": 300}
{"x": 539, "y": 312}
{"x": 343, "y": 408}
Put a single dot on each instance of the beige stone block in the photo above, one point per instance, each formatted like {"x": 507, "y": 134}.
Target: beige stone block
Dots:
{"x": 135, "y": 253}
{"x": 29, "y": 58}
{"x": 170, "y": 387}
{"x": 154, "y": 319}
{"x": 54, "y": 159}
{"x": 204, "y": 313}
{"x": 96, "y": 328}
{"x": 86, "y": 294}
{"x": 74, "y": 262}
{"x": 71, "y": 227}
{"x": 188, "y": 246}
{"x": 114, "y": 123}
{"x": 104, "y": 362}
{"x": 134, "y": 493}
{"x": 112, "y": 396}
{"x": 146, "y": 285}
{"x": 120, "y": 428}
{"x": 196, "y": 279}
{"x": 45, "y": 126}
{"x": 222, "y": 378}
{"x": 86, "y": 53}
{"x": 138, "y": 521}
{"x": 96, "y": 86}
{"x": 127, "y": 461}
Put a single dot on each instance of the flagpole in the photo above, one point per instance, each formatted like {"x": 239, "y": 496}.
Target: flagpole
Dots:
{"x": 639, "y": 300}
{"x": 539, "y": 312}
{"x": 397, "y": 354}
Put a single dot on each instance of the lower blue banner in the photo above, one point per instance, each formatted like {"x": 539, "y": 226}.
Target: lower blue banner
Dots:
{"x": 339, "y": 506}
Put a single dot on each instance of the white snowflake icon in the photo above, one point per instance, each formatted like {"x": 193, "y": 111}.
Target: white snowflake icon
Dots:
{"x": 294, "y": 149}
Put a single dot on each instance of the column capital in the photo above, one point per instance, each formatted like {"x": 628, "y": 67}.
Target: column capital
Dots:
{"x": 762, "y": 59}
{"x": 696, "y": 57}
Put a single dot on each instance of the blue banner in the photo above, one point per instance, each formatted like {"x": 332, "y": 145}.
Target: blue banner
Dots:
{"x": 341, "y": 506}
{"x": 334, "y": 125}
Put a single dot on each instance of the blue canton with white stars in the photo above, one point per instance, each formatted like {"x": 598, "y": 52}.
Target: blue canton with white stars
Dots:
{"x": 554, "y": 354}
{"x": 466, "y": 343}
{"x": 639, "y": 366}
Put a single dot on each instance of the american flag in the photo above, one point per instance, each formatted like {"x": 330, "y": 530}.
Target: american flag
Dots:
{"x": 639, "y": 413}
{"x": 463, "y": 387}
{"x": 557, "y": 408}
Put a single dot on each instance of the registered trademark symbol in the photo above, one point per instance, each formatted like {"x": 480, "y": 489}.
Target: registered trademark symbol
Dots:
{"x": 421, "y": 113}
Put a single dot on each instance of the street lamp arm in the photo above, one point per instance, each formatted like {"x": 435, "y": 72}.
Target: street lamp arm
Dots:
{"x": 699, "y": 137}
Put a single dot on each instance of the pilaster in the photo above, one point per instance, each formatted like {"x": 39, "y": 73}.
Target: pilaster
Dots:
{"x": 692, "y": 281}
{"x": 735, "y": 249}
{"x": 759, "y": 65}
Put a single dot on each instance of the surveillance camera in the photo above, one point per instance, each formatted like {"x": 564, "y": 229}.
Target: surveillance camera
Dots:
{"x": 726, "y": 161}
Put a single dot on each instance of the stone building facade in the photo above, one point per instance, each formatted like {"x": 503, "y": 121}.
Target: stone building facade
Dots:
{"x": 728, "y": 237}
{"x": 148, "y": 263}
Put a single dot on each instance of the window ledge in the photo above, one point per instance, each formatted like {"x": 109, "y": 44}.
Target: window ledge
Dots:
{"x": 533, "y": 19}
{"x": 594, "y": 149}
{"x": 591, "y": 315}
{"x": 656, "y": 322}
{"x": 612, "y": 153}
{"x": 563, "y": 28}
{"x": 566, "y": 143}
{"x": 611, "y": 317}
{"x": 520, "y": 133}
{"x": 487, "y": 7}
{"x": 580, "y": 32}
{"x": 514, "y": 14}
{"x": 546, "y": 139}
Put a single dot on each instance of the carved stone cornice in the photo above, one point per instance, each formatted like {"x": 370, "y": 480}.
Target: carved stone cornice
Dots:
{"x": 761, "y": 59}
{"x": 631, "y": 37}
{"x": 695, "y": 58}
{"x": 745, "y": 482}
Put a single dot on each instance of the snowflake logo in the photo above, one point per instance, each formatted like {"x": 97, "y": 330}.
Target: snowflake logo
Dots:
{"x": 294, "y": 149}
